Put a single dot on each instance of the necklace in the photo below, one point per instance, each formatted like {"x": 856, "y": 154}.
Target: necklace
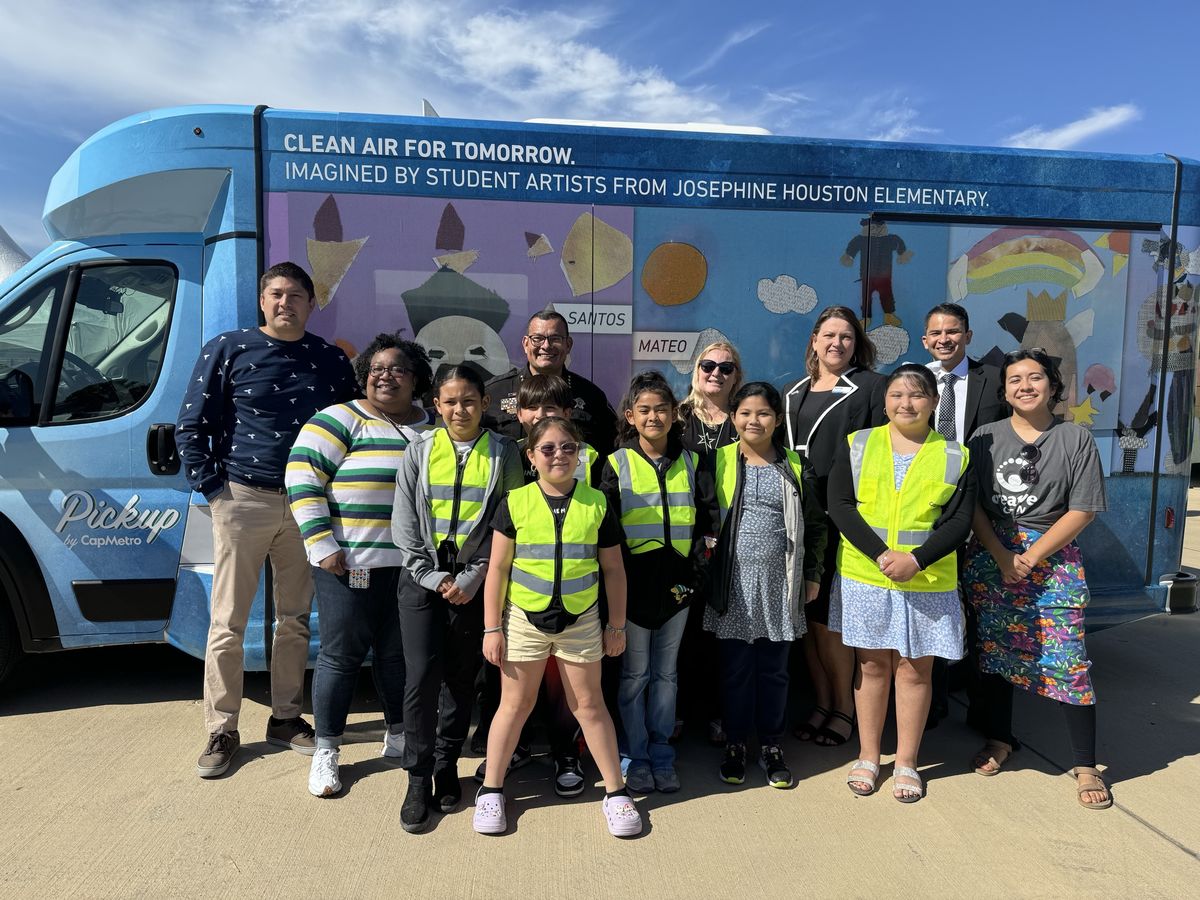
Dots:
{"x": 389, "y": 419}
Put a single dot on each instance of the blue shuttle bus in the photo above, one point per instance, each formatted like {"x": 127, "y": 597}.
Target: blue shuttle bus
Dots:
{"x": 651, "y": 243}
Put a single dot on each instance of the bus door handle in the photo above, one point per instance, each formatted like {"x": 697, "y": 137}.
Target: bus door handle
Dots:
{"x": 160, "y": 450}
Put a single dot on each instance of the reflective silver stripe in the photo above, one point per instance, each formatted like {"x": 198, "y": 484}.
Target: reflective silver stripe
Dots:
{"x": 446, "y": 492}
{"x": 954, "y": 458}
{"x": 915, "y": 538}
{"x": 631, "y": 501}
{"x": 546, "y": 551}
{"x": 532, "y": 582}
{"x": 654, "y": 532}
{"x": 679, "y": 498}
{"x": 858, "y": 449}
{"x": 546, "y": 588}
{"x": 442, "y": 526}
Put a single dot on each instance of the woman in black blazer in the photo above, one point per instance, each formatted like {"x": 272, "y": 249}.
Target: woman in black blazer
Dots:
{"x": 839, "y": 395}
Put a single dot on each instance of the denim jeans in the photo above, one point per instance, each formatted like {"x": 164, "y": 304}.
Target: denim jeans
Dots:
{"x": 755, "y": 689}
{"x": 354, "y": 621}
{"x": 647, "y": 693}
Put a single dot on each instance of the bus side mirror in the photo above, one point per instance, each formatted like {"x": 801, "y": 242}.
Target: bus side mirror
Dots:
{"x": 16, "y": 397}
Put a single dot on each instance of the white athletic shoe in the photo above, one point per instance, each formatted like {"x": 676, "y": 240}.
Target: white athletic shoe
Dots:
{"x": 393, "y": 744}
{"x": 323, "y": 773}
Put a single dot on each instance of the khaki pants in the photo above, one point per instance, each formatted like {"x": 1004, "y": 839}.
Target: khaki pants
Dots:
{"x": 249, "y": 526}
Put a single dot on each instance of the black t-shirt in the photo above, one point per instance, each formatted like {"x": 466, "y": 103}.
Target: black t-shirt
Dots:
{"x": 555, "y": 618}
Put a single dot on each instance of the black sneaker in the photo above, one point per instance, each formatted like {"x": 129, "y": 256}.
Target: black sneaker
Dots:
{"x": 218, "y": 754}
{"x": 447, "y": 792}
{"x": 295, "y": 734}
{"x": 521, "y": 756}
{"x": 414, "y": 813}
{"x": 778, "y": 774}
{"x": 568, "y": 777}
{"x": 733, "y": 766}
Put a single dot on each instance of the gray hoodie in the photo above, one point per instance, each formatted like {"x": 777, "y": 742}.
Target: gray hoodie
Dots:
{"x": 412, "y": 526}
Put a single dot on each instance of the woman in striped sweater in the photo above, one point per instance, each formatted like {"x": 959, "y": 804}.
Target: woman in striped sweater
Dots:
{"x": 341, "y": 478}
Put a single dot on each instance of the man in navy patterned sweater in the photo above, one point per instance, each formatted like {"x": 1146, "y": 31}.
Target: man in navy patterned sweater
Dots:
{"x": 250, "y": 393}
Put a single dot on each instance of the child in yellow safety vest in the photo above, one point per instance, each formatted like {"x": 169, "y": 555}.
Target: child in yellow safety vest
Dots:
{"x": 902, "y": 498}
{"x": 447, "y": 487}
{"x": 767, "y": 566}
{"x": 664, "y": 495}
{"x": 551, "y": 540}
{"x": 538, "y": 397}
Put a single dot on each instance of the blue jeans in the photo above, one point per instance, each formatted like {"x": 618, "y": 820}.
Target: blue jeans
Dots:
{"x": 647, "y": 694}
{"x": 354, "y": 621}
{"x": 754, "y": 689}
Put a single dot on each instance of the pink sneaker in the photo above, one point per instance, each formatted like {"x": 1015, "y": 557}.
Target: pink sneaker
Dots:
{"x": 622, "y": 816}
{"x": 489, "y": 814}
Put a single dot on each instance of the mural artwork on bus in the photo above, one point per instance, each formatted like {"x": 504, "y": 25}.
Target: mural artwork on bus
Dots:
{"x": 650, "y": 287}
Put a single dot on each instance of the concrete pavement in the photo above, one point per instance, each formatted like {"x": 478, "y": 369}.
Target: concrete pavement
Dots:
{"x": 101, "y": 800}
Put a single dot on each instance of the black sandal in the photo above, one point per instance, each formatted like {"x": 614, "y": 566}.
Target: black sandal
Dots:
{"x": 827, "y": 737}
{"x": 806, "y": 731}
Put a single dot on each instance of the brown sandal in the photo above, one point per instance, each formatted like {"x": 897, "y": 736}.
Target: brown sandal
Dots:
{"x": 1095, "y": 785}
{"x": 990, "y": 759}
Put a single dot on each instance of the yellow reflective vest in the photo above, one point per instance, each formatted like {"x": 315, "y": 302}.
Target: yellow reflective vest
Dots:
{"x": 727, "y": 473}
{"x": 554, "y": 558}
{"x": 656, "y": 514}
{"x": 456, "y": 491}
{"x": 902, "y": 518}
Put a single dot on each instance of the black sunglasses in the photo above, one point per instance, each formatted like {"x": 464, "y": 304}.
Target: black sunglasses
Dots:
{"x": 1031, "y": 454}
{"x": 708, "y": 365}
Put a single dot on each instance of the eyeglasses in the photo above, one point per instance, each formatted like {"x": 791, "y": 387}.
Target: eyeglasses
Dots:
{"x": 569, "y": 448}
{"x": 554, "y": 340}
{"x": 1031, "y": 454}
{"x": 394, "y": 371}
{"x": 708, "y": 365}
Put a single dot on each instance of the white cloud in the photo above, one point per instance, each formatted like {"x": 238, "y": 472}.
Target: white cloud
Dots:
{"x": 899, "y": 123}
{"x": 733, "y": 39}
{"x": 360, "y": 55}
{"x": 783, "y": 295}
{"x": 1097, "y": 122}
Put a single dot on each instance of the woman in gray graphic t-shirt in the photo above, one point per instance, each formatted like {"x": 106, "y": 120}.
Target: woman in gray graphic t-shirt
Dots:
{"x": 1040, "y": 485}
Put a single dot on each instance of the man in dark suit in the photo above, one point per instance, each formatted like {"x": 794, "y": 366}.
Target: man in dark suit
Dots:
{"x": 967, "y": 398}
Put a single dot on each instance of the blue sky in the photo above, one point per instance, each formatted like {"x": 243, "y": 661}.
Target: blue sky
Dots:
{"x": 1101, "y": 76}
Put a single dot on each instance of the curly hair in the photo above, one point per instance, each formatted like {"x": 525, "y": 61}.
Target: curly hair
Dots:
{"x": 414, "y": 353}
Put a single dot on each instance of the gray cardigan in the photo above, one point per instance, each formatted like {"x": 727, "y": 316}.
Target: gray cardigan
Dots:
{"x": 412, "y": 526}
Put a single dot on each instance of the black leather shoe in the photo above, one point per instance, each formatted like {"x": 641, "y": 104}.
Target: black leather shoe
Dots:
{"x": 447, "y": 792}
{"x": 414, "y": 813}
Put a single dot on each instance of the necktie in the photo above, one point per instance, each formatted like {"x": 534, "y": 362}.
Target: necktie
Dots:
{"x": 945, "y": 410}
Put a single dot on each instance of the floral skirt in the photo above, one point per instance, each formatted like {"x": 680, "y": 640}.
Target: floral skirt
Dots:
{"x": 1031, "y": 633}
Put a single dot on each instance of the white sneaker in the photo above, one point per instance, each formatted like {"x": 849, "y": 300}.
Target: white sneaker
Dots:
{"x": 393, "y": 744}
{"x": 323, "y": 773}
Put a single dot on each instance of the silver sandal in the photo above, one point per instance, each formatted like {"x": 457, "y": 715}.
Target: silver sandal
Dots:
{"x": 852, "y": 779}
{"x": 907, "y": 793}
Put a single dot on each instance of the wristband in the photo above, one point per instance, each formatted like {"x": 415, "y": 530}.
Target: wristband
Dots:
{"x": 614, "y": 628}
{"x": 495, "y": 630}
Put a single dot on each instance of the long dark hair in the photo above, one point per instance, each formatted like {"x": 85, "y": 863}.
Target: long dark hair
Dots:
{"x": 651, "y": 382}
{"x": 460, "y": 373}
{"x": 769, "y": 394}
{"x": 915, "y": 372}
{"x": 541, "y": 426}
{"x": 1058, "y": 388}
{"x": 864, "y": 350}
